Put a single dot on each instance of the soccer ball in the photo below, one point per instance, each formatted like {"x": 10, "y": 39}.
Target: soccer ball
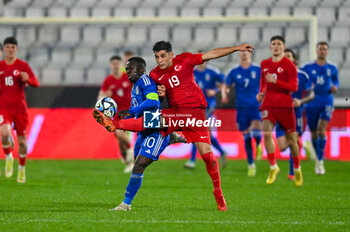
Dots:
{"x": 107, "y": 106}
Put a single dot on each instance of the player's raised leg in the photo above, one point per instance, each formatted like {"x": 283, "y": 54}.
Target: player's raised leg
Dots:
{"x": 212, "y": 166}
{"x": 8, "y": 147}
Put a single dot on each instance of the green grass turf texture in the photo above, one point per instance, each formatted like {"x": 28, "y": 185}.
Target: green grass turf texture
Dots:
{"x": 76, "y": 196}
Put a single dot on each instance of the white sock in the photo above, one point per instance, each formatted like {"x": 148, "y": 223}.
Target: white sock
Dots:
{"x": 273, "y": 166}
{"x": 9, "y": 156}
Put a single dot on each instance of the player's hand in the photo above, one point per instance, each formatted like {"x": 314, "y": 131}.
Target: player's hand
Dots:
{"x": 333, "y": 89}
{"x": 161, "y": 90}
{"x": 246, "y": 47}
{"x": 210, "y": 92}
{"x": 296, "y": 102}
{"x": 270, "y": 78}
{"x": 123, "y": 114}
{"x": 24, "y": 76}
{"x": 260, "y": 97}
{"x": 224, "y": 100}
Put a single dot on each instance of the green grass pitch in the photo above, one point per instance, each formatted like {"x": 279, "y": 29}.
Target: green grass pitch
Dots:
{"x": 76, "y": 196}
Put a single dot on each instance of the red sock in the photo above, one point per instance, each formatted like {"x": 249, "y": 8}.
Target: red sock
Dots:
{"x": 7, "y": 150}
{"x": 272, "y": 158}
{"x": 22, "y": 159}
{"x": 130, "y": 124}
{"x": 296, "y": 162}
{"x": 212, "y": 169}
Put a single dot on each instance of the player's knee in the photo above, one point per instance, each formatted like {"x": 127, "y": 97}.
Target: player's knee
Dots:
{"x": 267, "y": 135}
{"x": 138, "y": 168}
{"x": 322, "y": 133}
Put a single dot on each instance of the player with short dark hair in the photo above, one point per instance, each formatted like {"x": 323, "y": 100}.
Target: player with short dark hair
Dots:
{"x": 174, "y": 75}
{"x": 279, "y": 79}
{"x": 117, "y": 86}
{"x": 15, "y": 75}
{"x": 246, "y": 79}
{"x": 324, "y": 78}
{"x": 304, "y": 95}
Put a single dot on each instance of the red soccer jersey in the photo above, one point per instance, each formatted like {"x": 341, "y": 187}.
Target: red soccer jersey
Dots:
{"x": 11, "y": 84}
{"x": 121, "y": 90}
{"x": 279, "y": 94}
{"x": 181, "y": 88}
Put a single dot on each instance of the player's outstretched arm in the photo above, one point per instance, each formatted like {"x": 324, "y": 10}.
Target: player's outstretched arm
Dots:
{"x": 220, "y": 52}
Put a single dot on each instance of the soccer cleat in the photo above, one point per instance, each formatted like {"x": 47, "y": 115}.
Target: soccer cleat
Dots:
{"x": 290, "y": 177}
{"x": 21, "y": 176}
{"x": 319, "y": 167}
{"x": 309, "y": 150}
{"x": 128, "y": 168}
{"x": 223, "y": 160}
{"x": 272, "y": 175}
{"x": 9, "y": 167}
{"x": 121, "y": 207}
{"x": 176, "y": 138}
{"x": 259, "y": 152}
{"x": 190, "y": 164}
{"x": 298, "y": 177}
{"x": 251, "y": 170}
{"x": 220, "y": 200}
{"x": 104, "y": 121}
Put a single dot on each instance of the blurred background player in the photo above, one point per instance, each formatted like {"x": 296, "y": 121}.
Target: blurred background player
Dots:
{"x": 15, "y": 74}
{"x": 304, "y": 94}
{"x": 149, "y": 143}
{"x": 324, "y": 78}
{"x": 117, "y": 86}
{"x": 246, "y": 79}
{"x": 127, "y": 55}
{"x": 279, "y": 79}
{"x": 208, "y": 78}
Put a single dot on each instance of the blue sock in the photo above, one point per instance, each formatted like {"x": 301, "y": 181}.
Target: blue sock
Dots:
{"x": 256, "y": 133}
{"x": 248, "y": 148}
{"x": 291, "y": 167}
{"x": 216, "y": 144}
{"x": 314, "y": 144}
{"x": 321, "y": 144}
{"x": 132, "y": 188}
{"x": 193, "y": 153}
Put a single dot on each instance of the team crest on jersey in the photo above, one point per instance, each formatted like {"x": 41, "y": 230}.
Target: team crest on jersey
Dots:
{"x": 265, "y": 113}
{"x": 125, "y": 84}
{"x": 137, "y": 90}
{"x": 207, "y": 77}
{"x": 178, "y": 68}
{"x": 313, "y": 72}
{"x": 329, "y": 72}
{"x": 239, "y": 76}
{"x": 279, "y": 69}
{"x": 15, "y": 72}
{"x": 253, "y": 74}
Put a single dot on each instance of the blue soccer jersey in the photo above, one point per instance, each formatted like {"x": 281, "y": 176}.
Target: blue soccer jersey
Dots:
{"x": 149, "y": 143}
{"x": 304, "y": 84}
{"x": 247, "y": 84}
{"x": 322, "y": 78}
{"x": 208, "y": 80}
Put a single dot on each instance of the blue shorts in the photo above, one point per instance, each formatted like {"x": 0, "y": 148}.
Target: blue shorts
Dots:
{"x": 299, "y": 124}
{"x": 316, "y": 113}
{"x": 246, "y": 115}
{"x": 151, "y": 145}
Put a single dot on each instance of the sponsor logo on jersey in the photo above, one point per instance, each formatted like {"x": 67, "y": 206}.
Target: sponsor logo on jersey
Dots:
{"x": 239, "y": 76}
{"x": 148, "y": 151}
{"x": 177, "y": 68}
{"x": 16, "y": 72}
{"x": 329, "y": 72}
{"x": 1, "y": 72}
{"x": 279, "y": 69}
{"x": 161, "y": 77}
{"x": 266, "y": 69}
{"x": 125, "y": 84}
{"x": 313, "y": 72}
